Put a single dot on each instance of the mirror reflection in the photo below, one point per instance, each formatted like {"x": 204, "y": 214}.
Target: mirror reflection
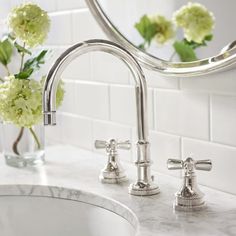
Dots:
{"x": 174, "y": 30}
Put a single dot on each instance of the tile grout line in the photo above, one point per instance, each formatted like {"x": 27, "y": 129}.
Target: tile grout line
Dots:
{"x": 151, "y": 130}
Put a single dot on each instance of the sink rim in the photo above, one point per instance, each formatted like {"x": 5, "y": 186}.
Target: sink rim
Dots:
{"x": 64, "y": 193}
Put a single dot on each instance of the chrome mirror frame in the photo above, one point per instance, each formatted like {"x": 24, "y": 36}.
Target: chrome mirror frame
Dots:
{"x": 225, "y": 58}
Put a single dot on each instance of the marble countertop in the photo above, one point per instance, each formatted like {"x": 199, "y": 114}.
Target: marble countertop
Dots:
{"x": 72, "y": 168}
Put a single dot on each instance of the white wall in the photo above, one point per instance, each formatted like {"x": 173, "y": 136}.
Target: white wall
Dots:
{"x": 186, "y": 116}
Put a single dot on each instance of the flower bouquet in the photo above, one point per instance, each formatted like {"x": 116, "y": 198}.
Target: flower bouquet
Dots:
{"x": 22, "y": 134}
{"x": 193, "y": 19}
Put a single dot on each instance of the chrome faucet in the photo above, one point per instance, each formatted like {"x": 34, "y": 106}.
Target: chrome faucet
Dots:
{"x": 144, "y": 185}
{"x": 189, "y": 197}
{"x": 113, "y": 171}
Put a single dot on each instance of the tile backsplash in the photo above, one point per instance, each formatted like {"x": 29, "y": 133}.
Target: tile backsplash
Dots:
{"x": 189, "y": 116}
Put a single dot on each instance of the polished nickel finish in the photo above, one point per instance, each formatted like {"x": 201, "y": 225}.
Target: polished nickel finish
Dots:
{"x": 113, "y": 171}
{"x": 229, "y": 47}
{"x": 218, "y": 62}
{"x": 144, "y": 184}
{"x": 189, "y": 197}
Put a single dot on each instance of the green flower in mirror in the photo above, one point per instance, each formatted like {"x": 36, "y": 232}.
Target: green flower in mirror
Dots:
{"x": 195, "y": 20}
{"x": 158, "y": 27}
{"x": 165, "y": 30}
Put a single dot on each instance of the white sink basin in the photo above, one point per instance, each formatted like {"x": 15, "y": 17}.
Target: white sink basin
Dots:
{"x": 51, "y": 211}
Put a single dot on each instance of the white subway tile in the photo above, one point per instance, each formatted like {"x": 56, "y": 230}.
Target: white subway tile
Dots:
{"x": 163, "y": 147}
{"x": 224, "y": 119}
{"x": 123, "y": 105}
{"x": 150, "y": 103}
{"x": 46, "y": 5}
{"x": 1, "y": 139}
{"x": 5, "y": 9}
{"x": 85, "y": 27}
{"x": 79, "y": 68}
{"x": 155, "y": 79}
{"x": 182, "y": 113}
{"x": 61, "y": 29}
{"x": 70, "y": 4}
{"x": 53, "y": 134}
{"x": 77, "y": 131}
{"x": 107, "y": 131}
{"x": 221, "y": 82}
{"x": 92, "y": 100}
{"x": 107, "y": 68}
{"x": 13, "y": 66}
{"x": 14, "y": 3}
{"x": 223, "y": 173}
{"x": 3, "y": 25}
{"x": 3, "y": 73}
{"x": 68, "y": 104}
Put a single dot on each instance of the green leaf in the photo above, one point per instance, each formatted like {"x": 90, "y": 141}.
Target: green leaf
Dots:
{"x": 31, "y": 65}
{"x": 21, "y": 49}
{"x": 35, "y": 62}
{"x": 185, "y": 51}
{"x": 25, "y": 74}
{"x": 142, "y": 46}
{"x": 146, "y": 28}
{"x": 209, "y": 37}
{"x": 6, "y": 50}
{"x": 195, "y": 45}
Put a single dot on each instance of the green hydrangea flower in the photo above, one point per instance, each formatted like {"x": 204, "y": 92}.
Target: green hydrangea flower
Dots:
{"x": 29, "y": 23}
{"x": 165, "y": 29}
{"x": 196, "y": 21}
{"x": 21, "y": 101}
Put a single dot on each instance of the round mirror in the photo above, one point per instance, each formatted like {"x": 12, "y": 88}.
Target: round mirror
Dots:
{"x": 180, "y": 38}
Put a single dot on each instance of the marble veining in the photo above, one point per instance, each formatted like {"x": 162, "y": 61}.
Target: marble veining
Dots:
{"x": 71, "y": 194}
{"x": 75, "y": 173}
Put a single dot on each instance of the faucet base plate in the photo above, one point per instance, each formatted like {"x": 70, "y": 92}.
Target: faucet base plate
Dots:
{"x": 117, "y": 180}
{"x": 143, "y": 189}
{"x": 193, "y": 202}
{"x": 113, "y": 174}
{"x": 188, "y": 208}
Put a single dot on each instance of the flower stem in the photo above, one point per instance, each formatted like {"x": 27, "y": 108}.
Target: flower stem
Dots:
{"x": 172, "y": 56}
{"x": 2, "y": 80}
{"x": 35, "y": 137}
{"x": 22, "y": 59}
{"x": 15, "y": 144}
{"x": 8, "y": 71}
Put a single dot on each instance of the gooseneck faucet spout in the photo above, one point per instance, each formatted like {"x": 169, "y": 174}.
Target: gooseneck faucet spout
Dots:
{"x": 144, "y": 184}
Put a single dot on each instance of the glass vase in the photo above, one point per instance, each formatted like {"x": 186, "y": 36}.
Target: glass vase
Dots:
{"x": 23, "y": 146}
